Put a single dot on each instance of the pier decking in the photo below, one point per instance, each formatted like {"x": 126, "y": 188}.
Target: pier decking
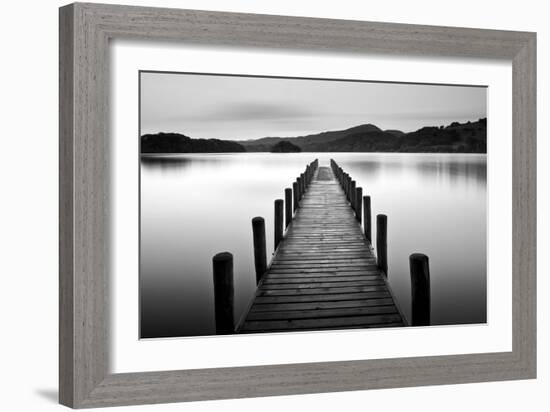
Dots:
{"x": 324, "y": 274}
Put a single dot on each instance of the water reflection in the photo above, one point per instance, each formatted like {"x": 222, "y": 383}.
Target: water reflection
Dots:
{"x": 193, "y": 206}
{"x": 172, "y": 162}
{"x": 471, "y": 172}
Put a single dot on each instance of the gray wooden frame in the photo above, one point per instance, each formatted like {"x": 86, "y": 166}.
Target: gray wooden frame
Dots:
{"x": 85, "y": 31}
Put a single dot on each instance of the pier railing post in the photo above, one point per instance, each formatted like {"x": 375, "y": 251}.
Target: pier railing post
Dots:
{"x": 295, "y": 195}
{"x": 278, "y": 222}
{"x": 352, "y": 195}
{"x": 382, "y": 242}
{"x": 260, "y": 255}
{"x": 367, "y": 223}
{"x": 420, "y": 289}
{"x": 223, "y": 293}
{"x": 358, "y": 203}
{"x": 288, "y": 206}
{"x": 346, "y": 185}
{"x": 299, "y": 188}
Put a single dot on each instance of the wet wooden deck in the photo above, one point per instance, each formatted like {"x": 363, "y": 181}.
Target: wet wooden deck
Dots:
{"x": 324, "y": 273}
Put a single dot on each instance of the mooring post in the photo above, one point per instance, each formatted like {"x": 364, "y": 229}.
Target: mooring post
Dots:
{"x": 278, "y": 222}
{"x": 420, "y": 289}
{"x": 223, "y": 293}
{"x": 299, "y": 188}
{"x": 295, "y": 195}
{"x": 358, "y": 203}
{"x": 288, "y": 206}
{"x": 260, "y": 255}
{"x": 346, "y": 185}
{"x": 382, "y": 242}
{"x": 367, "y": 218}
{"x": 303, "y": 180}
{"x": 352, "y": 195}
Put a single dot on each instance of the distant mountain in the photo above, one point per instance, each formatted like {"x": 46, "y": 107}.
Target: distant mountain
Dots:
{"x": 179, "y": 143}
{"x": 307, "y": 143}
{"x": 397, "y": 133}
{"x": 285, "y": 147}
{"x": 470, "y": 137}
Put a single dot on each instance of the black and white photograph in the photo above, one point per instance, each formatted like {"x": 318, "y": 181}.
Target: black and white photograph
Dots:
{"x": 272, "y": 205}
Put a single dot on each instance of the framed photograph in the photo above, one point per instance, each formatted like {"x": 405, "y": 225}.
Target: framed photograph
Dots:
{"x": 257, "y": 205}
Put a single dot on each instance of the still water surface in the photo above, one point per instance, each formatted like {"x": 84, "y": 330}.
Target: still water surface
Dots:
{"x": 196, "y": 205}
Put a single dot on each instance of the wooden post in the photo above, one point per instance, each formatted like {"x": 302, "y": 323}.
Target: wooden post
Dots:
{"x": 223, "y": 293}
{"x": 344, "y": 182}
{"x": 420, "y": 289}
{"x": 382, "y": 242}
{"x": 258, "y": 237}
{"x": 352, "y": 195}
{"x": 346, "y": 185}
{"x": 299, "y": 188}
{"x": 278, "y": 222}
{"x": 295, "y": 194}
{"x": 367, "y": 218}
{"x": 303, "y": 181}
{"x": 288, "y": 206}
{"x": 358, "y": 203}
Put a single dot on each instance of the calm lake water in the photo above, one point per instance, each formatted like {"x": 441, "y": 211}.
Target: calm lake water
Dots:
{"x": 196, "y": 205}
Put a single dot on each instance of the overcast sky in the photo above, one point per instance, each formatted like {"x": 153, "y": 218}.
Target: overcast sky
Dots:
{"x": 240, "y": 108}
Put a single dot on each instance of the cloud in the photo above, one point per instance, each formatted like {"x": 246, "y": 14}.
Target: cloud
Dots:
{"x": 259, "y": 111}
{"x": 243, "y": 112}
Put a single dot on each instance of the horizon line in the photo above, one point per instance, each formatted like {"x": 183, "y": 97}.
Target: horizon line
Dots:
{"x": 314, "y": 133}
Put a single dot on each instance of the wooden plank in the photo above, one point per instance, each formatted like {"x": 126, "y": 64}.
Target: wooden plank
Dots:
{"x": 329, "y": 328}
{"x": 315, "y": 262}
{"x": 334, "y": 275}
{"x": 313, "y": 265}
{"x": 319, "y": 291}
{"x": 323, "y": 269}
{"x": 270, "y": 280}
{"x": 321, "y": 298}
{"x": 311, "y": 284}
{"x": 322, "y": 313}
{"x": 321, "y": 323}
{"x": 322, "y": 255}
{"x": 272, "y": 307}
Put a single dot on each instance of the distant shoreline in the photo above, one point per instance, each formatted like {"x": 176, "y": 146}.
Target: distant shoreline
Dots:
{"x": 277, "y": 154}
{"x": 469, "y": 137}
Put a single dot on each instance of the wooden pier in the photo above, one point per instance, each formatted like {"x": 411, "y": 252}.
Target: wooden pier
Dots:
{"x": 324, "y": 274}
